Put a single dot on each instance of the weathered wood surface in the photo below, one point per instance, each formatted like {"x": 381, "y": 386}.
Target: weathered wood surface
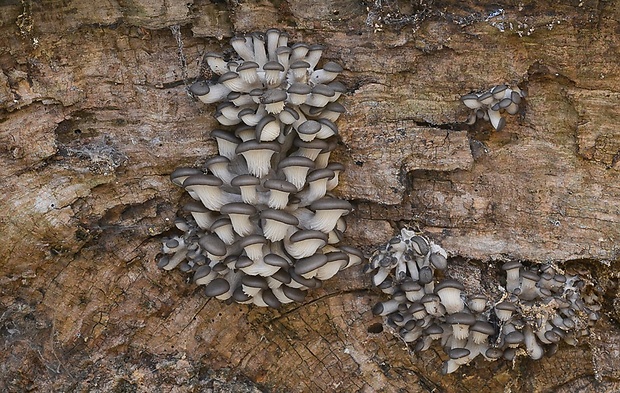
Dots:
{"x": 95, "y": 115}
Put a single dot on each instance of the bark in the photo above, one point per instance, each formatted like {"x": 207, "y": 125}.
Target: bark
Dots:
{"x": 95, "y": 116}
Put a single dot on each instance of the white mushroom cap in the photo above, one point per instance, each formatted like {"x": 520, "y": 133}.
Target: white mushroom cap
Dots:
{"x": 203, "y": 216}
{"x": 307, "y": 267}
{"x": 279, "y": 191}
{"x": 327, "y": 212}
{"x": 209, "y": 93}
{"x": 276, "y": 223}
{"x": 450, "y": 293}
{"x": 224, "y": 230}
{"x": 207, "y": 187}
{"x": 179, "y": 175}
{"x": 216, "y": 63}
{"x": 258, "y": 156}
{"x": 295, "y": 169}
{"x": 227, "y": 142}
{"x": 247, "y": 185}
{"x": 304, "y": 243}
{"x": 239, "y": 214}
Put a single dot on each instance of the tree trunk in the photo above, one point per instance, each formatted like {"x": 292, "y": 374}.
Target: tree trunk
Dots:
{"x": 95, "y": 115}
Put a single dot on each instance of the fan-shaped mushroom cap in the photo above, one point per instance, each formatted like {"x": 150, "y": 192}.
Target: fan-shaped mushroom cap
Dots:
{"x": 258, "y": 155}
{"x": 217, "y": 287}
{"x": 179, "y": 175}
{"x": 308, "y": 130}
{"x": 247, "y": 185}
{"x": 274, "y": 100}
{"x": 227, "y": 142}
{"x": 471, "y": 101}
{"x": 207, "y": 187}
{"x": 209, "y": 93}
{"x": 213, "y": 245}
{"x": 304, "y": 243}
{"x": 203, "y": 216}
{"x": 239, "y": 214}
{"x": 276, "y": 223}
{"x": 327, "y": 212}
{"x": 504, "y": 310}
{"x": 296, "y": 168}
{"x": 279, "y": 192}
{"x": 304, "y": 266}
{"x": 268, "y": 129}
{"x": 450, "y": 293}
{"x": 481, "y": 330}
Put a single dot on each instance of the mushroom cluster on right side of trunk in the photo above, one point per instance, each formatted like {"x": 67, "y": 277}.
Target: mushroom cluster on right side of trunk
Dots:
{"x": 539, "y": 306}
{"x": 491, "y": 104}
{"x": 263, "y": 226}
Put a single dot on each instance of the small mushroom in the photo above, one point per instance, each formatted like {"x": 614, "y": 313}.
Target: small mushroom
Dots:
{"x": 304, "y": 243}
{"x": 327, "y": 212}
{"x": 258, "y": 156}
{"x": 276, "y": 223}
{"x": 239, "y": 214}
{"x": 450, "y": 293}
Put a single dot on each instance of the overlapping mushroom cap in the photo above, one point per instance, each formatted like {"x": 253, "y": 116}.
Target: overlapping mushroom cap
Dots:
{"x": 264, "y": 227}
{"x": 489, "y": 105}
{"x": 537, "y": 308}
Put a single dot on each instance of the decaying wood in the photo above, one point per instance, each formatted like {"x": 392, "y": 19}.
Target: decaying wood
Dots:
{"x": 95, "y": 116}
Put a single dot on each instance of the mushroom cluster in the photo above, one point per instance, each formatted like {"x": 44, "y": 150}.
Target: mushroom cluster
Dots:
{"x": 536, "y": 309}
{"x": 264, "y": 226}
{"x": 489, "y": 105}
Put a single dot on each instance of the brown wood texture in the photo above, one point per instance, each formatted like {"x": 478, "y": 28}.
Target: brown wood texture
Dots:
{"x": 94, "y": 116}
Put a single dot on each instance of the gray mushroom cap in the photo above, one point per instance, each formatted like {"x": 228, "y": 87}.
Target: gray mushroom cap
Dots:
{"x": 458, "y": 353}
{"x": 201, "y": 272}
{"x": 200, "y": 88}
{"x": 243, "y": 261}
{"x": 239, "y": 296}
{"x": 220, "y": 222}
{"x": 482, "y": 327}
{"x": 299, "y": 63}
{"x": 183, "y": 172}
{"x": 196, "y": 207}
{"x": 306, "y": 265}
{"x": 323, "y": 90}
{"x": 514, "y": 337}
{"x": 296, "y": 161}
{"x": 273, "y": 66}
{"x": 252, "y": 239}
{"x": 309, "y": 127}
{"x": 332, "y": 66}
{"x": 307, "y": 234}
{"x": 310, "y": 283}
{"x": 256, "y": 145}
{"x": 216, "y": 160}
{"x": 280, "y": 185}
{"x": 461, "y": 318}
{"x": 494, "y": 353}
{"x": 313, "y": 144}
{"x": 245, "y": 180}
{"x": 228, "y": 76}
{"x": 272, "y": 96}
{"x": 335, "y": 107}
{"x": 202, "y": 180}
{"x": 247, "y": 65}
{"x": 507, "y": 306}
{"x": 226, "y": 135}
{"x": 213, "y": 245}
{"x": 276, "y": 260}
{"x": 255, "y": 282}
{"x": 327, "y": 203}
{"x": 439, "y": 261}
{"x": 449, "y": 283}
{"x": 299, "y": 88}
{"x": 270, "y": 299}
{"x": 511, "y": 265}
{"x": 433, "y": 329}
{"x": 282, "y": 276}
{"x": 318, "y": 174}
{"x": 410, "y": 285}
{"x": 335, "y": 166}
{"x": 530, "y": 275}
{"x": 295, "y": 294}
{"x": 238, "y": 208}
{"x": 217, "y": 287}
{"x": 280, "y": 216}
